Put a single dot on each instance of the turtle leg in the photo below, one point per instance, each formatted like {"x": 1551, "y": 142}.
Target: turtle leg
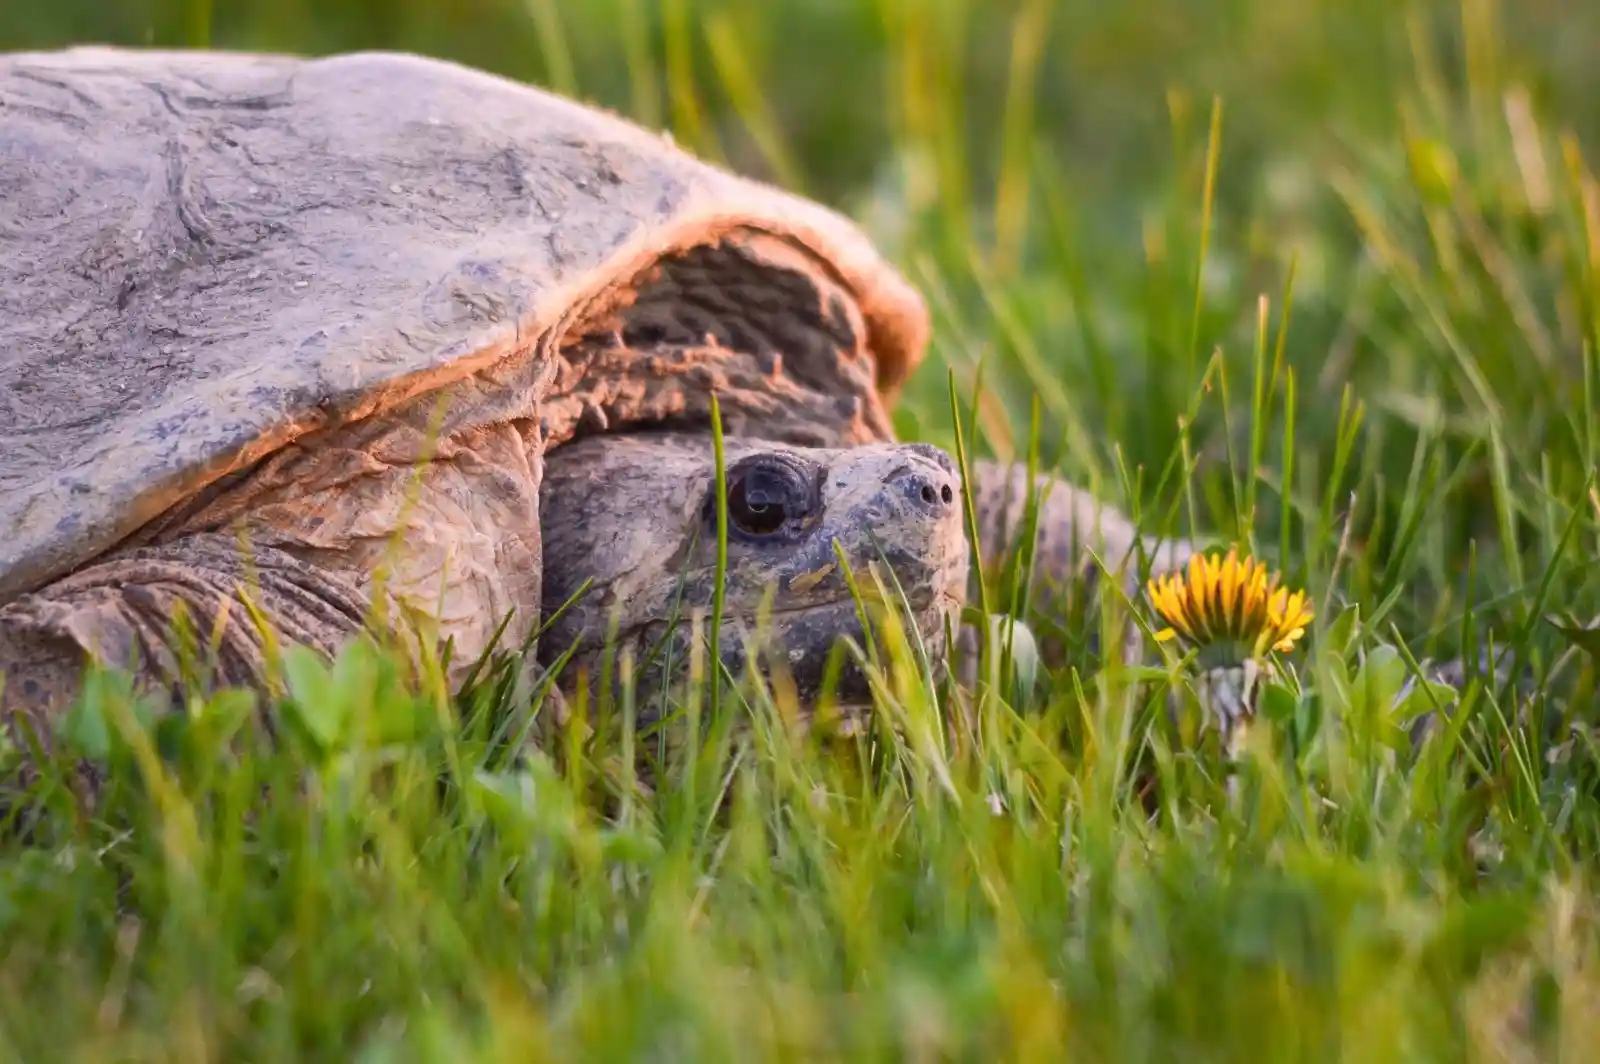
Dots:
{"x": 120, "y": 613}
{"x": 1455, "y": 672}
{"x": 1072, "y": 522}
{"x": 1071, "y": 519}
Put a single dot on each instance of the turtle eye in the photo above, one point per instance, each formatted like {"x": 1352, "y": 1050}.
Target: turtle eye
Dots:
{"x": 766, "y": 495}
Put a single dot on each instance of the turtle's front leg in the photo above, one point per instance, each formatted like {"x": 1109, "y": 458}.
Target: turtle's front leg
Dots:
{"x": 1071, "y": 519}
{"x": 1072, "y": 522}
{"x": 119, "y": 613}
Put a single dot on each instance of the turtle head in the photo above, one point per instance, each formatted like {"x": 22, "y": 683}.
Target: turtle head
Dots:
{"x": 636, "y": 516}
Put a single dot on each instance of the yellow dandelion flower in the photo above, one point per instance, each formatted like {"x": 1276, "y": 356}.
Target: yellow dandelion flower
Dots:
{"x": 1230, "y": 602}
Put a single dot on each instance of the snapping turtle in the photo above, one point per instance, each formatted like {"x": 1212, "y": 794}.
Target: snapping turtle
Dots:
{"x": 378, "y": 328}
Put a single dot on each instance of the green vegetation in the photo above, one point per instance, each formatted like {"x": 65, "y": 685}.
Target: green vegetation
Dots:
{"x": 1320, "y": 278}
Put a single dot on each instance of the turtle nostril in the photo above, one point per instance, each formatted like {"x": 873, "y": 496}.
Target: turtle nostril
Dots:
{"x": 927, "y": 489}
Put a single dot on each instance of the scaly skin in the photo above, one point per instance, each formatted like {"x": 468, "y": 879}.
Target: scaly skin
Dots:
{"x": 636, "y": 515}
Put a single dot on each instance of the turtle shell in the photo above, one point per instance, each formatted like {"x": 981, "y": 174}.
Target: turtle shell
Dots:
{"x": 205, "y": 256}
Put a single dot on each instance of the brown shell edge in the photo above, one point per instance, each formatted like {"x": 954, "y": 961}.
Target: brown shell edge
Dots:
{"x": 895, "y": 314}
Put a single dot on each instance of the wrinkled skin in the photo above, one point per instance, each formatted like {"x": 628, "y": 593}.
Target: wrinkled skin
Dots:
{"x": 637, "y": 516}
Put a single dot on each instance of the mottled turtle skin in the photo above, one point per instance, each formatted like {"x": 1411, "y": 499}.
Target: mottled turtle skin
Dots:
{"x": 631, "y": 522}
{"x": 376, "y": 339}
{"x": 635, "y": 516}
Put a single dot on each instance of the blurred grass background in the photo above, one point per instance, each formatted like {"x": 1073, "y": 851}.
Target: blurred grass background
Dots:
{"x": 1336, "y": 259}
{"x": 838, "y": 85}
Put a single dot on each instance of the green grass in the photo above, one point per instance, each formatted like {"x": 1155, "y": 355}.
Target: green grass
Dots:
{"x": 1320, "y": 278}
